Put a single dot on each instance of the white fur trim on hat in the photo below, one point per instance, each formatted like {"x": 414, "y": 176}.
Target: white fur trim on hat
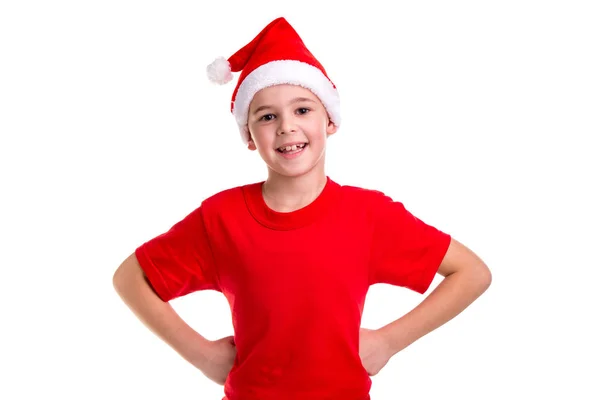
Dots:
{"x": 284, "y": 72}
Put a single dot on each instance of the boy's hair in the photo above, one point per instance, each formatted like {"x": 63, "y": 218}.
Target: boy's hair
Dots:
{"x": 277, "y": 55}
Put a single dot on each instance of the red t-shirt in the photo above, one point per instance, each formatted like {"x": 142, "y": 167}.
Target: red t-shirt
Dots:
{"x": 296, "y": 282}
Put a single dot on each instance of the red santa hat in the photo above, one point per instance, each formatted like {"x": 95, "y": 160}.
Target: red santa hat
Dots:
{"x": 277, "y": 55}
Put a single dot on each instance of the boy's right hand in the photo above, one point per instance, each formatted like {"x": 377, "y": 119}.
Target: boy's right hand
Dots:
{"x": 219, "y": 356}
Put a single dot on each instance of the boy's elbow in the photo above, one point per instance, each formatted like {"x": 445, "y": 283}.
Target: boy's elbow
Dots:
{"x": 483, "y": 277}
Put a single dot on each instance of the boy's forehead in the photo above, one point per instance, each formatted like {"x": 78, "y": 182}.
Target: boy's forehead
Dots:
{"x": 281, "y": 93}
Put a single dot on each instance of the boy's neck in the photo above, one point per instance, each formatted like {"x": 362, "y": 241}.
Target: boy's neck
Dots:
{"x": 286, "y": 194}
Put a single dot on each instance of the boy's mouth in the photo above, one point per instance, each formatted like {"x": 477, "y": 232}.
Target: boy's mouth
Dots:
{"x": 295, "y": 148}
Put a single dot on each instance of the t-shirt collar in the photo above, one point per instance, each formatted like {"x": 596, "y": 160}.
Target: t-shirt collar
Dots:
{"x": 289, "y": 220}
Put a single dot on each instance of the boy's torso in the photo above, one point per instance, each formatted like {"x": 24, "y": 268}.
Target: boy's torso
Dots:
{"x": 296, "y": 291}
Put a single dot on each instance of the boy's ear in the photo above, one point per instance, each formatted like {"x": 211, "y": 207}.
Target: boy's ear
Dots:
{"x": 331, "y": 128}
{"x": 251, "y": 144}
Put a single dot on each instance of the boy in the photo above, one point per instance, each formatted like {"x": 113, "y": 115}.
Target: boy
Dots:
{"x": 295, "y": 255}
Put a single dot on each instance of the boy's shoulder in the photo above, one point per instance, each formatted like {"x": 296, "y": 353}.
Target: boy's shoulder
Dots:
{"x": 226, "y": 195}
{"x": 362, "y": 193}
{"x": 227, "y": 199}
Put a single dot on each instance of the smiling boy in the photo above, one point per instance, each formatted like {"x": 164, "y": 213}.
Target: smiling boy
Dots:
{"x": 295, "y": 255}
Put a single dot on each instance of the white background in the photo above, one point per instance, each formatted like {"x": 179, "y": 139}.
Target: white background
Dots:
{"x": 482, "y": 117}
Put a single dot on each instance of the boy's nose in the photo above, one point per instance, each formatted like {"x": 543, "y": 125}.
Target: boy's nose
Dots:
{"x": 286, "y": 126}
{"x": 286, "y": 131}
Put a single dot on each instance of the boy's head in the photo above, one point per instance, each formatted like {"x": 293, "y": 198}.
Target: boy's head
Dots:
{"x": 276, "y": 57}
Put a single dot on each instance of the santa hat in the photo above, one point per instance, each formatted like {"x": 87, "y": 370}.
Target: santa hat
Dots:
{"x": 277, "y": 55}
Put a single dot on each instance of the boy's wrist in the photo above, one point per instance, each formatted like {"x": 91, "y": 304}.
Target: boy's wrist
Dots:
{"x": 193, "y": 348}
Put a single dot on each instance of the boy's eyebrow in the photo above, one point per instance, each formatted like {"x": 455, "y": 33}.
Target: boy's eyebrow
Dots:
{"x": 294, "y": 100}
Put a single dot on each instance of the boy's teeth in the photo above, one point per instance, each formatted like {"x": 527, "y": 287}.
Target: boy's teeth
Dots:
{"x": 292, "y": 148}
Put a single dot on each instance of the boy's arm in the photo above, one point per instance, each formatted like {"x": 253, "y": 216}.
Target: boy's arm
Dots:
{"x": 130, "y": 283}
{"x": 466, "y": 277}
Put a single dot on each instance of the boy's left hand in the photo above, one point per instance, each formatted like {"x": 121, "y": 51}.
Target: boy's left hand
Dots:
{"x": 374, "y": 350}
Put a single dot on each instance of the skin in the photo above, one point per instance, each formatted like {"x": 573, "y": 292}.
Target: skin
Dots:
{"x": 279, "y": 115}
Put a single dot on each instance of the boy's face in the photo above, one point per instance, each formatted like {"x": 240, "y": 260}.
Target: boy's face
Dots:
{"x": 289, "y": 127}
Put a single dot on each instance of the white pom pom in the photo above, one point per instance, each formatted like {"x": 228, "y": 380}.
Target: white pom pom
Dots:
{"x": 219, "y": 71}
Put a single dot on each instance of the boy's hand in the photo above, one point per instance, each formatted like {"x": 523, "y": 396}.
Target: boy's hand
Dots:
{"x": 374, "y": 351}
{"x": 218, "y": 357}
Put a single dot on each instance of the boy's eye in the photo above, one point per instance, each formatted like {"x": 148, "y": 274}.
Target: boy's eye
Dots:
{"x": 267, "y": 117}
{"x": 303, "y": 110}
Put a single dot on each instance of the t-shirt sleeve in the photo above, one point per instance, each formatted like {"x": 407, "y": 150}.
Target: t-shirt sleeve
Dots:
{"x": 180, "y": 261}
{"x": 405, "y": 251}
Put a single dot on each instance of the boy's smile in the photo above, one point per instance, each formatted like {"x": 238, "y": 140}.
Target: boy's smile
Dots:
{"x": 292, "y": 150}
